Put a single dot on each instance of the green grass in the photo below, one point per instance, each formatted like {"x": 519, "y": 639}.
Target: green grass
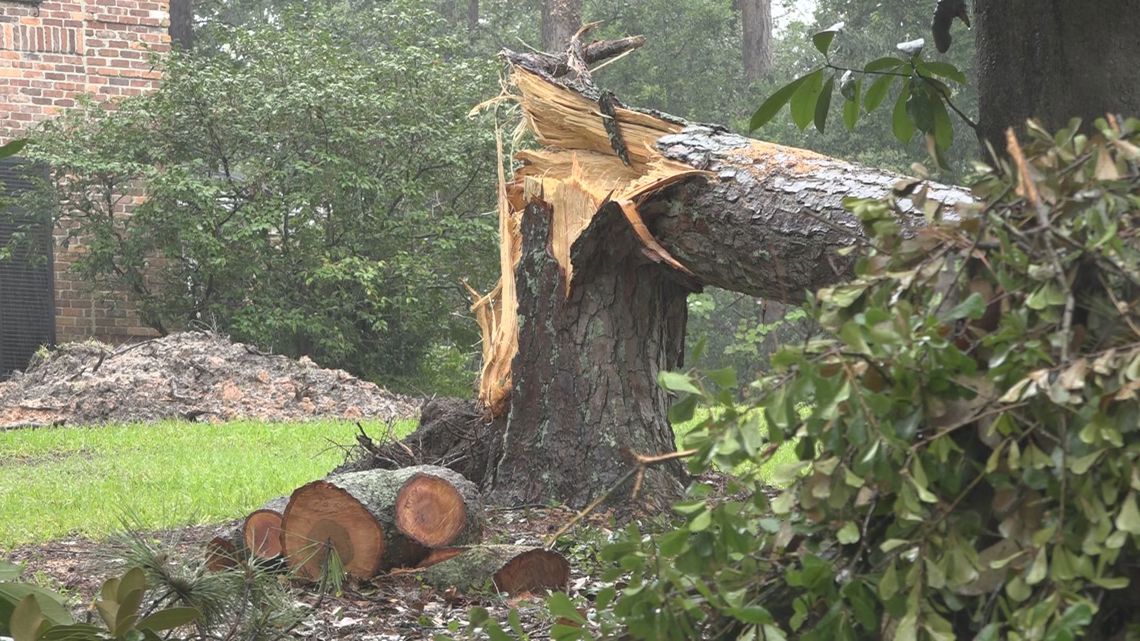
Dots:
{"x": 86, "y": 480}
{"x": 74, "y": 480}
{"x": 786, "y": 454}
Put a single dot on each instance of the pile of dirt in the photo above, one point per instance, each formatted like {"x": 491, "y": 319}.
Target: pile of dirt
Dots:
{"x": 199, "y": 376}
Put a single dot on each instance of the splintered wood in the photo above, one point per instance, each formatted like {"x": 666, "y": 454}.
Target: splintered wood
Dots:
{"x": 577, "y": 174}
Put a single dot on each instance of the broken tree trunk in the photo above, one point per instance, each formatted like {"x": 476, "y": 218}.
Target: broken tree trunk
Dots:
{"x": 599, "y": 254}
{"x": 512, "y": 569}
{"x": 378, "y": 519}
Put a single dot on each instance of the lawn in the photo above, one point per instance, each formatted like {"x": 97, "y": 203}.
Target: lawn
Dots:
{"x": 76, "y": 480}
{"x": 86, "y": 480}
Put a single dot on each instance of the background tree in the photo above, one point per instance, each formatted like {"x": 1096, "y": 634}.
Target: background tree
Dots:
{"x": 756, "y": 27}
{"x": 1053, "y": 61}
{"x": 182, "y": 23}
{"x": 560, "y": 19}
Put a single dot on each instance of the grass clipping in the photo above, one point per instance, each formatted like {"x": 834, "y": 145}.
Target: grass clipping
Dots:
{"x": 576, "y": 172}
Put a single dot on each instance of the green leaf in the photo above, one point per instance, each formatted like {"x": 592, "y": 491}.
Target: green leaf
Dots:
{"x": 1039, "y": 569}
{"x": 701, "y": 521}
{"x": 823, "y": 104}
{"x": 851, "y": 113}
{"x": 168, "y": 619}
{"x": 907, "y": 628}
{"x": 919, "y": 109}
{"x": 886, "y": 63}
{"x": 27, "y": 620}
{"x": 901, "y": 125}
{"x": 677, "y": 382}
{"x": 9, "y": 571}
{"x": 770, "y": 107}
{"x": 1128, "y": 519}
{"x": 889, "y": 583}
{"x": 560, "y": 606}
{"x": 822, "y": 39}
{"x": 13, "y": 147}
{"x": 73, "y": 632}
{"x": 848, "y": 534}
{"x": 682, "y": 411}
{"x": 944, "y": 69}
{"x": 725, "y": 378}
{"x": 805, "y": 97}
{"x": 50, "y": 603}
{"x": 877, "y": 92}
{"x": 973, "y": 307}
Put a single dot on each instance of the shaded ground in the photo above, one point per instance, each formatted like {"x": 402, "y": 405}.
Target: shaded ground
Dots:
{"x": 192, "y": 375}
{"x": 388, "y": 608}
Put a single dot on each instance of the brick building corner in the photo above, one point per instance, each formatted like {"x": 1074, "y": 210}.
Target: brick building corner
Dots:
{"x": 52, "y": 51}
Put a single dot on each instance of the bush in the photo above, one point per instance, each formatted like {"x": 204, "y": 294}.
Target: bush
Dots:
{"x": 968, "y": 434}
{"x": 300, "y": 190}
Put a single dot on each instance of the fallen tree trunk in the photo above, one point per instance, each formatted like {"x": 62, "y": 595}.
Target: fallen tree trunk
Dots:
{"x": 379, "y": 519}
{"x": 604, "y": 233}
{"x": 511, "y": 569}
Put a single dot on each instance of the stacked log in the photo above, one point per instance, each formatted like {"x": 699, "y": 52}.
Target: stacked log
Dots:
{"x": 378, "y": 519}
{"x": 426, "y": 519}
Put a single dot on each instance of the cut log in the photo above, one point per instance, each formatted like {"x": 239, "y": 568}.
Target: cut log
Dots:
{"x": 439, "y": 508}
{"x": 512, "y": 569}
{"x": 222, "y": 554}
{"x": 261, "y": 531}
{"x": 378, "y": 519}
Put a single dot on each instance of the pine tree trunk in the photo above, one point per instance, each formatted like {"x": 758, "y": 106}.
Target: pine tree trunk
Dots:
{"x": 756, "y": 44}
{"x": 1053, "y": 60}
{"x": 586, "y": 377}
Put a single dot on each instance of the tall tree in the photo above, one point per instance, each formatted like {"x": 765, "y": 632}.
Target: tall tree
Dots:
{"x": 560, "y": 19}
{"x": 1055, "y": 60}
{"x": 182, "y": 24}
{"x": 756, "y": 45}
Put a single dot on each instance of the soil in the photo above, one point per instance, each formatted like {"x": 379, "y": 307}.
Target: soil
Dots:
{"x": 394, "y": 607}
{"x": 199, "y": 376}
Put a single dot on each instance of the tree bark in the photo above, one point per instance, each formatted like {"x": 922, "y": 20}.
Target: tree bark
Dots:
{"x": 182, "y": 24}
{"x": 1053, "y": 60}
{"x": 756, "y": 43}
{"x": 560, "y": 19}
{"x": 585, "y": 381}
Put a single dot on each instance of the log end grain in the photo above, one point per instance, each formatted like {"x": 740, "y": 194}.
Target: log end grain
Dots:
{"x": 430, "y": 510}
{"x": 262, "y": 534}
{"x": 321, "y": 516}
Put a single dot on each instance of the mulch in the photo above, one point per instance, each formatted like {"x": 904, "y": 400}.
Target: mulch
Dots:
{"x": 199, "y": 376}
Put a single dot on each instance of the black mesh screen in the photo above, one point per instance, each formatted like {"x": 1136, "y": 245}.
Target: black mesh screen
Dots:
{"x": 27, "y": 315}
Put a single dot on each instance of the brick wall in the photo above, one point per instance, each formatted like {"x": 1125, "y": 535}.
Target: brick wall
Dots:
{"x": 51, "y": 52}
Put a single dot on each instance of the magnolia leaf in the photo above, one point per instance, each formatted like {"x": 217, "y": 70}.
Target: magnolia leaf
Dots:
{"x": 770, "y": 107}
{"x": 823, "y": 39}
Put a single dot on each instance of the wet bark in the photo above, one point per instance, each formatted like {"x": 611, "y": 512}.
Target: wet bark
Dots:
{"x": 756, "y": 43}
{"x": 560, "y": 19}
{"x": 585, "y": 390}
{"x": 1053, "y": 60}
